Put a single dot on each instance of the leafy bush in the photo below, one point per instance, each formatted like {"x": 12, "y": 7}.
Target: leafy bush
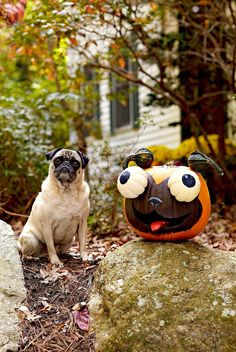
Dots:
{"x": 164, "y": 154}
{"x": 106, "y": 213}
{"x": 25, "y": 137}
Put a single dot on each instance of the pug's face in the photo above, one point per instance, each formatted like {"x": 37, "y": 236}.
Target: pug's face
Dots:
{"x": 66, "y": 165}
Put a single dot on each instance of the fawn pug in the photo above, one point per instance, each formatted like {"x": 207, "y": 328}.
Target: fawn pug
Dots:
{"x": 60, "y": 210}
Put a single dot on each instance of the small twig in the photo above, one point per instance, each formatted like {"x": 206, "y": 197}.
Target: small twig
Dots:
{"x": 74, "y": 344}
{"x": 30, "y": 271}
{"x": 13, "y": 214}
{"x": 28, "y": 204}
{"x": 32, "y": 341}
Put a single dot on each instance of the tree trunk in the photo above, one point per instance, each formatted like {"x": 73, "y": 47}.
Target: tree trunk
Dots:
{"x": 198, "y": 79}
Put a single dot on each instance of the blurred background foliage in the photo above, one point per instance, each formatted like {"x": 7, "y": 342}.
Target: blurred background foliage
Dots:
{"x": 47, "y": 94}
{"x": 40, "y": 103}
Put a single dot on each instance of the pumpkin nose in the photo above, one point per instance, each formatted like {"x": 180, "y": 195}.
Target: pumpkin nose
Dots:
{"x": 155, "y": 202}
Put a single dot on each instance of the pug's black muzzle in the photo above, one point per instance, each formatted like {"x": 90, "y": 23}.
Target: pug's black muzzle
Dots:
{"x": 65, "y": 172}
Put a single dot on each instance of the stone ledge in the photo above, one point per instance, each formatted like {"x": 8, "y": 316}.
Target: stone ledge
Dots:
{"x": 12, "y": 289}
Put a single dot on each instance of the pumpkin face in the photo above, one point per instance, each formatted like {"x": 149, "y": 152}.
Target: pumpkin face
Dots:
{"x": 158, "y": 215}
{"x": 165, "y": 203}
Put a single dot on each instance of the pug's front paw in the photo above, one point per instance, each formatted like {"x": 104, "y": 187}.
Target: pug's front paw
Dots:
{"x": 56, "y": 261}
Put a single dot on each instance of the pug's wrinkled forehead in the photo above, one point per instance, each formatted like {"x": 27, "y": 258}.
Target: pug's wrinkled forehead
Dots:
{"x": 68, "y": 154}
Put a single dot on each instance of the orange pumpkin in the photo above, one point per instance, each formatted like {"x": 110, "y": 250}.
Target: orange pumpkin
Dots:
{"x": 166, "y": 203}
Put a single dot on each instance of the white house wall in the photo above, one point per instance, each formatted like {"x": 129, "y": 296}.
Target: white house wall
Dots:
{"x": 155, "y": 132}
{"x": 232, "y": 119}
{"x": 105, "y": 119}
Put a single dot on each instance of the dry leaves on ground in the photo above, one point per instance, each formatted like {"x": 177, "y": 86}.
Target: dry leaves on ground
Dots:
{"x": 220, "y": 232}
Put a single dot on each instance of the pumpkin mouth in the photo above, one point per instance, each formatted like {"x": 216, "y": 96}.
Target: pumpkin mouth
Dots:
{"x": 158, "y": 223}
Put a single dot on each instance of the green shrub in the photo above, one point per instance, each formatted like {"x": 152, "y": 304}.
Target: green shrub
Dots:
{"x": 106, "y": 213}
{"x": 164, "y": 154}
{"x": 25, "y": 138}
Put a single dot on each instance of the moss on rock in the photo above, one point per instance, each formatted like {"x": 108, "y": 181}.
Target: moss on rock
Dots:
{"x": 167, "y": 297}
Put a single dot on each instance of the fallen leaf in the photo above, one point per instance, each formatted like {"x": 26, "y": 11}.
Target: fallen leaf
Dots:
{"x": 81, "y": 318}
{"x": 46, "y": 306}
{"x": 24, "y": 313}
{"x": 53, "y": 274}
{"x": 79, "y": 306}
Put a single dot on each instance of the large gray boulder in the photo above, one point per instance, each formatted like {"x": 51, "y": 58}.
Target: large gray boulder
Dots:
{"x": 165, "y": 297}
{"x": 12, "y": 290}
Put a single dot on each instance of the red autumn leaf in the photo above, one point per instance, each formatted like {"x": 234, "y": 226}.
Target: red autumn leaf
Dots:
{"x": 115, "y": 46}
{"x": 89, "y": 9}
{"x": 154, "y": 6}
{"x": 81, "y": 318}
{"x": 73, "y": 41}
{"x": 121, "y": 62}
{"x": 204, "y": 2}
{"x": 23, "y": 2}
{"x": 21, "y": 10}
{"x": 11, "y": 13}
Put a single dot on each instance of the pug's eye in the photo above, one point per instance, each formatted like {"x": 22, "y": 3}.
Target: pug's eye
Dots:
{"x": 132, "y": 182}
{"x": 75, "y": 164}
{"x": 184, "y": 184}
{"x": 57, "y": 161}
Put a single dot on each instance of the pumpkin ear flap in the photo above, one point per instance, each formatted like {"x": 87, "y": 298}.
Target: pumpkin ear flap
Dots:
{"x": 199, "y": 162}
{"x": 143, "y": 158}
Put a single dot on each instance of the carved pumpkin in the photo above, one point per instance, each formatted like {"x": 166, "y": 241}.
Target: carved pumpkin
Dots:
{"x": 166, "y": 203}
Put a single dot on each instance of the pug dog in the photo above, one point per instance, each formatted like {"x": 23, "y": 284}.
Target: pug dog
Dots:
{"x": 60, "y": 210}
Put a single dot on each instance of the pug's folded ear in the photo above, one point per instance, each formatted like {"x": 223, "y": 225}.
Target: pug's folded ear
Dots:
{"x": 51, "y": 154}
{"x": 84, "y": 159}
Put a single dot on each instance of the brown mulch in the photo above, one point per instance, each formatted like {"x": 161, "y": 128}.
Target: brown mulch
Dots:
{"x": 47, "y": 322}
{"x": 50, "y": 299}
{"x": 52, "y": 294}
{"x": 220, "y": 232}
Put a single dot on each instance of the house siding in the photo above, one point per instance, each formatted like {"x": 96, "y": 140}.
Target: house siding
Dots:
{"x": 232, "y": 120}
{"x": 156, "y": 130}
{"x": 105, "y": 119}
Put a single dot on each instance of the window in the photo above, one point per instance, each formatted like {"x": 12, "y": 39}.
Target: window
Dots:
{"x": 124, "y": 105}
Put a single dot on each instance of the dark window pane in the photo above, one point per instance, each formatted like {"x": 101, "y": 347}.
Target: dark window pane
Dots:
{"x": 124, "y": 105}
{"x": 122, "y": 114}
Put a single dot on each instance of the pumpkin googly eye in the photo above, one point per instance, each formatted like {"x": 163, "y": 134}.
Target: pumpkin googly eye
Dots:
{"x": 184, "y": 184}
{"x": 132, "y": 182}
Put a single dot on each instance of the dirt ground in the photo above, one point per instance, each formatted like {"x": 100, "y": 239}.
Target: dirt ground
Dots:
{"x": 50, "y": 319}
{"x": 55, "y": 317}
{"x": 50, "y": 325}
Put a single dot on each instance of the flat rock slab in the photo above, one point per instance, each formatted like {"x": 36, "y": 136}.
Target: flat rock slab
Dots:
{"x": 165, "y": 297}
{"x": 12, "y": 289}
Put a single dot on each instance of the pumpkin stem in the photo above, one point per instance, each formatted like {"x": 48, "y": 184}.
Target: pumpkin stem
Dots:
{"x": 143, "y": 158}
{"x": 199, "y": 162}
